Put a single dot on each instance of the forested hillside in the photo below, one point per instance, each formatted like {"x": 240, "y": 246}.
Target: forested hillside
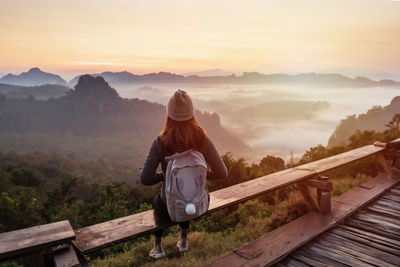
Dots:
{"x": 94, "y": 122}
{"x": 38, "y": 188}
{"x": 374, "y": 119}
{"x": 39, "y": 92}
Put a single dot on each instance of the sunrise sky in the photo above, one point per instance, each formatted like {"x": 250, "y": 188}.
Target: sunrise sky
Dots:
{"x": 75, "y": 36}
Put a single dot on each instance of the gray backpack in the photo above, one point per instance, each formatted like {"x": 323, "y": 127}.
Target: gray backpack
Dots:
{"x": 185, "y": 186}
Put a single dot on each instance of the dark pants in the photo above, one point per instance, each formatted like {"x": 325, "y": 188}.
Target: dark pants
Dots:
{"x": 161, "y": 215}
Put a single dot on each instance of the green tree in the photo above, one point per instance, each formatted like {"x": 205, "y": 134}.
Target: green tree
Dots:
{"x": 270, "y": 164}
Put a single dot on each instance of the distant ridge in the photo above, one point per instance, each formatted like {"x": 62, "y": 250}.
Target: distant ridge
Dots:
{"x": 330, "y": 79}
{"x": 95, "y": 110}
{"x": 33, "y": 77}
{"x": 42, "y": 92}
{"x": 210, "y": 73}
{"x": 37, "y": 77}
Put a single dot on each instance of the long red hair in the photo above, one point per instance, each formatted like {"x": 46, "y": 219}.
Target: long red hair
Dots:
{"x": 188, "y": 133}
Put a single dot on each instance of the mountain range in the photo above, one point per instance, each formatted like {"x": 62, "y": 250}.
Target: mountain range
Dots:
{"x": 33, "y": 77}
{"x": 95, "y": 111}
{"x": 37, "y": 77}
{"x": 332, "y": 79}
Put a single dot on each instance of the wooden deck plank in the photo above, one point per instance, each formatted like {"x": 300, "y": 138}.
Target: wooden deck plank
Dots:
{"x": 351, "y": 253}
{"x": 368, "y": 234}
{"x": 392, "y": 198}
{"x": 285, "y": 239}
{"x": 290, "y": 262}
{"x": 375, "y": 243}
{"x": 381, "y": 221}
{"x": 373, "y": 228}
{"x": 379, "y": 216}
{"x": 307, "y": 252}
{"x": 310, "y": 261}
{"x": 101, "y": 235}
{"x": 395, "y": 191}
{"x": 384, "y": 211}
{"x": 388, "y": 205}
{"x": 368, "y": 253}
{"x": 337, "y": 255}
{"x": 35, "y": 238}
{"x": 291, "y": 235}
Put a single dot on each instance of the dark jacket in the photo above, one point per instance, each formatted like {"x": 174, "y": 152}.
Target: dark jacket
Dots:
{"x": 157, "y": 153}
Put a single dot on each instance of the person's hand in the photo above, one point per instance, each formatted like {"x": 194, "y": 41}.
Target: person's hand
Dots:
{"x": 378, "y": 143}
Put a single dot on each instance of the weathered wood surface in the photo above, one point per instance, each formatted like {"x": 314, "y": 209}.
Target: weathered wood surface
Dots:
{"x": 105, "y": 234}
{"x": 368, "y": 238}
{"x": 307, "y": 197}
{"x": 66, "y": 258}
{"x": 35, "y": 238}
{"x": 287, "y": 238}
{"x": 323, "y": 185}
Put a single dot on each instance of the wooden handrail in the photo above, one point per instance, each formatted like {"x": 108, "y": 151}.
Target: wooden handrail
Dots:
{"x": 98, "y": 236}
{"x": 36, "y": 238}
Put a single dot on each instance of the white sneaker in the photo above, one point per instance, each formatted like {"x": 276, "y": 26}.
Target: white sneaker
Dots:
{"x": 182, "y": 244}
{"x": 157, "y": 251}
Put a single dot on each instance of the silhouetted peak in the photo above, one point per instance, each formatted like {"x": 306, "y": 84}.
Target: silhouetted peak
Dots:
{"x": 95, "y": 86}
{"x": 33, "y": 70}
{"x": 395, "y": 101}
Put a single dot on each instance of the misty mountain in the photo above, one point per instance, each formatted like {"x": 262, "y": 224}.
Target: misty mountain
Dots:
{"x": 95, "y": 110}
{"x": 373, "y": 119}
{"x": 120, "y": 78}
{"x": 332, "y": 79}
{"x": 33, "y": 77}
{"x": 40, "y": 92}
{"x": 210, "y": 73}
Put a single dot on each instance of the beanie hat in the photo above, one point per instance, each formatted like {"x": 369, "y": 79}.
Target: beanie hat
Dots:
{"x": 180, "y": 106}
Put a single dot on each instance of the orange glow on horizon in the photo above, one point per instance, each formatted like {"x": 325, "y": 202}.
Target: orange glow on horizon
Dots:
{"x": 181, "y": 36}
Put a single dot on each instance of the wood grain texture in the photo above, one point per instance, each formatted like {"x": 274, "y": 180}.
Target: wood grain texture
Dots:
{"x": 35, "y": 238}
{"x": 366, "y": 234}
{"x": 287, "y": 238}
{"x": 310, "y": 261}
{"x": 66, "y": 258}
{"x": 323, "y": 185}
{"x": 307, "y": 252}
{"x": 370, "y": 237}
{"x": 105, "y": 234}
{"x": 339, "y": 255}
{"x": 365, "y": 252}
{"x": 312, "y": 206}
{"x": 367, "y": 240}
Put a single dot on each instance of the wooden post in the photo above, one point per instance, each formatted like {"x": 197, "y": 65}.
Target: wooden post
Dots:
{"x": 325, "y": 196}
{"x": 383, "y": 162}
{"x": 64, "y": 256}
{"x": 324, "y": 188}
{"x": 307, "y": 197}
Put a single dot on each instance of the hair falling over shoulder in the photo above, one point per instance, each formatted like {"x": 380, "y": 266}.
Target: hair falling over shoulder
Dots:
{"x": 188, "y": 133}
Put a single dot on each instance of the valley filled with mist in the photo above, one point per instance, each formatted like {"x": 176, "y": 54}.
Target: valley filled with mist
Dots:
{"x": 274, "y": 114}
{"x": 275, "y": 119}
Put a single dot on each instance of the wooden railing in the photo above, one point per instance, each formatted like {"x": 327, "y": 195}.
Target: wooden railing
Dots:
{"x": 102, "y": 235}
